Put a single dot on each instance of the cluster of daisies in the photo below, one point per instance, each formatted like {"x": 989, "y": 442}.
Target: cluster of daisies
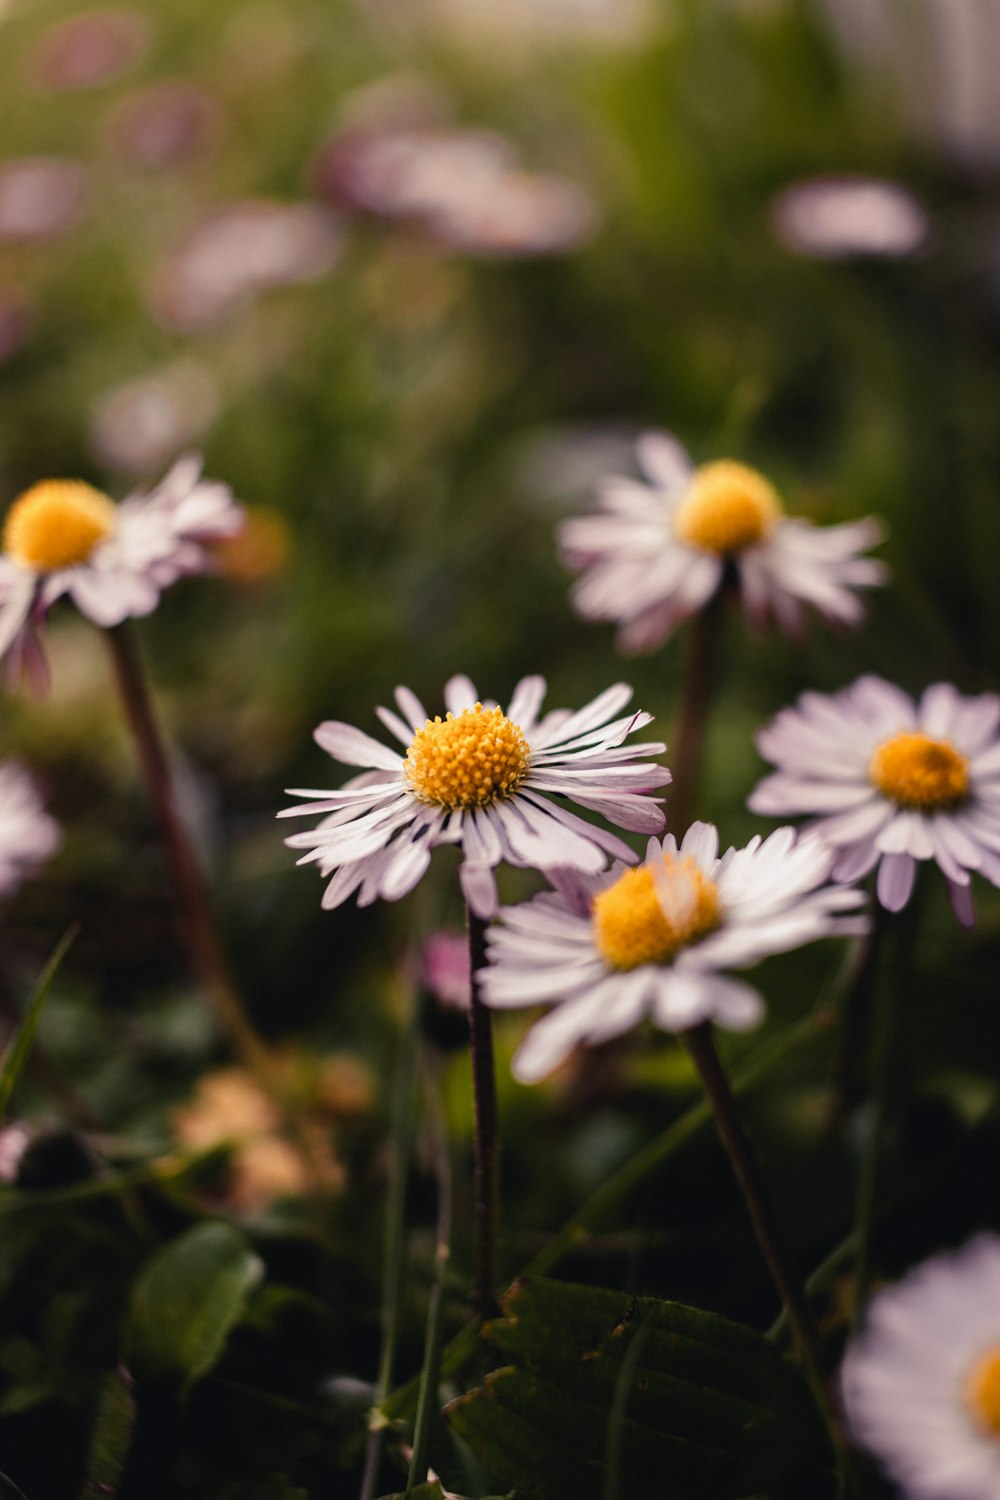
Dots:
{"x": 884, "y": 784}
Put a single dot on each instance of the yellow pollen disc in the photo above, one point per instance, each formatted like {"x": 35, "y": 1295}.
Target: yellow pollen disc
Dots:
{"x": 467, "y": 761}
{"x": 982, "y": 1391}
{"x": 727, "y": 507}
{"x": 631, "y": 926}
{"x": 57, "y": 524}
{"x": 916, "y": 771}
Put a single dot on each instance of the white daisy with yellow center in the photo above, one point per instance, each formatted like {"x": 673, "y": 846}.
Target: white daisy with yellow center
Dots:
{"x": 921, "y": 1384}
{"x": 483, "y": 779}
{"x": 889, "y": 782}
{"x": 62, "y": 536}
{"x": 659, "y": 548}
{"x": 656, "y": 941}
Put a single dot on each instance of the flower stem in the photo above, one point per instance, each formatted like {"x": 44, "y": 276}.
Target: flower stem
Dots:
{"x": 484, "y": 1096}
{"x": 199, "y": 928}
{"x": 767, "y": 1226}
{"x": 697, "y": 685}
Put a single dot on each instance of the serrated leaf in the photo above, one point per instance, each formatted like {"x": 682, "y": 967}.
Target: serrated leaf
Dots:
{"x": 708, "y": 1411}
{"x": 187, "y": 1299}
{"x": 111, "y": 1437}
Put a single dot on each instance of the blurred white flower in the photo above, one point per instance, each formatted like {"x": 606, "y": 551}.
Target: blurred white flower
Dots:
{"x": 836, "y": 218}
{"x": 91, "y": 48}
{"x": 889, "y": 782}
{"x": 237, "y": 253}
{"x": 40, "y": 197}
{"x": 659, "y": 549}
{"x": 921, "y": 1383}
{"x": 482, "y": 779}
{"x": 62, "y": 536}
{"x": 28, "y": 836}
{"x": 139, "y": 426}
{"x": 614, "y": 948}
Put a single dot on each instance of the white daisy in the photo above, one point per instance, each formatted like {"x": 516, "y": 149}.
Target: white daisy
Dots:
{"x": 891, "y": 782}
{"x": 484, "y": 779}
{"x": 921, "y": 1384}
{"x": 28, "y": 836}
{"x": 653, "y": 941}
{"x": 64, "y": 537}
{"x": 658, "y": 551}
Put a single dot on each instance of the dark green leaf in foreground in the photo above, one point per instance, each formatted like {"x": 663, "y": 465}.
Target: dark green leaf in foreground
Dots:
{"x": 708, "y": 1408}
{"x": 16, "y": 1054}
{"x": 187, "y": 1299}
{"x": 111, "y": 1438}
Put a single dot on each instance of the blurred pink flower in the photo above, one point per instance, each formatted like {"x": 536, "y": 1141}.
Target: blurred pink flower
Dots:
{"x": 167, "y": 125}
{"x": 40, "y": 197}
{"x": 446, "y": 968}
{"x": 139, "y": 426}
{"x": 91, "y": 48}
{"x": 28, "y": 836}
{"x": 239, "y": 251}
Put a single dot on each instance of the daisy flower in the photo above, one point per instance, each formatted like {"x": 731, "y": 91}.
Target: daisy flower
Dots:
{"x": 921, "y": 1384}
{"x": 483, "y": 779}
{"x": 890, "y": 782}
{"x": 28, "y": 836}
{"x": 659, "y": 549}
{"x": 62, "y": 536}
{"x": 655, "y": 941}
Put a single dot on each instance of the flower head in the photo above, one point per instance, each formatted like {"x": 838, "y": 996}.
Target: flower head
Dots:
{"x": 65, "y": 537}
{"x": 28, "y": 836}
{"x": 889, "y": 782}
{"x": 483, "y": 779}
{"x": 658, "y": 551}
{"x": 655, "y": 941}
{"x": 921, "y": 1384}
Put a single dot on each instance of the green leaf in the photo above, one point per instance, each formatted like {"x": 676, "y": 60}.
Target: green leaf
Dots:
{"x": 187, "y": 1299}
{"x": 16, "y": 1054}
{"x": 702, "y": 1407}
{"x": 111, "y": 1438}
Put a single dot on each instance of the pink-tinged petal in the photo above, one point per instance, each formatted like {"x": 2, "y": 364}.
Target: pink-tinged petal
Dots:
{"x": 593, "y": 833}
{"x": 411, "y": 708}
{"x": 860, "y": 823}
{"x": 986, "y": 765}
{"x": 479, "y": 889}
{"x": 355, "y": 748}
{"x": 459, "y": 693}
{"x": 526, "y": 702}
{"x": 407, "y": 865}
{"x": 603, "y": 708}
{"x": 895, "y": 880}
{"x": 396, "y": 726}
{"x": 663, "y": 460}
{"x": 937, "y": 710}
{"x": 907, "y": 833}
{"x": 701, "y": 842}
{"x": 962, "y": 903}
{"x": 855, "y": 863}
{"x": 16, "y": 601}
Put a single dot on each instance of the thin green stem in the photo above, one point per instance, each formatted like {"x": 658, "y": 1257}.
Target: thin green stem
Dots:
{"x": 405, "y": 1105}
{"x": 429, "y": 1376}
{"x": 768, "y": 1228}
{"x": 199, "y": 927}
{"x": 697, "y": 687}
{"x": 484, "y": 1094}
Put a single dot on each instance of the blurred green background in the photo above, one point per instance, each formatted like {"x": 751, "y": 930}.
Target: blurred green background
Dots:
{"x": 408, "y": 405}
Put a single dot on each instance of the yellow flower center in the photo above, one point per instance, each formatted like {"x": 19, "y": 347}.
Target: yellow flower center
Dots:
{"x": 727, "y": 507}
{"x": 651, "y": 912}
{"x": 916, "y": 771}
{"x": 982, "y": 1391}
{"x": 467, "y": 761}
{"x": 57, "y": 524}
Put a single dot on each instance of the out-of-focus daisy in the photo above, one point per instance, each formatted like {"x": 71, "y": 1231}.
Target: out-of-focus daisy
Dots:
{"x": 91, "y": 49}
{"x": 41, "y": 197}
{"x": 890, "y": 782}
{"x": 446, "y": 969}
{"x": 838, "y": 218}
{"x": 659, "y": 549}
{"x": 28, "y": 836}
{"x": 62, "y": 536}
{"x": 655, "y": 941}
{"x": 144, "y": 423}
{"x": 921, "y": 1384}
{"x": 483, "y": 779}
